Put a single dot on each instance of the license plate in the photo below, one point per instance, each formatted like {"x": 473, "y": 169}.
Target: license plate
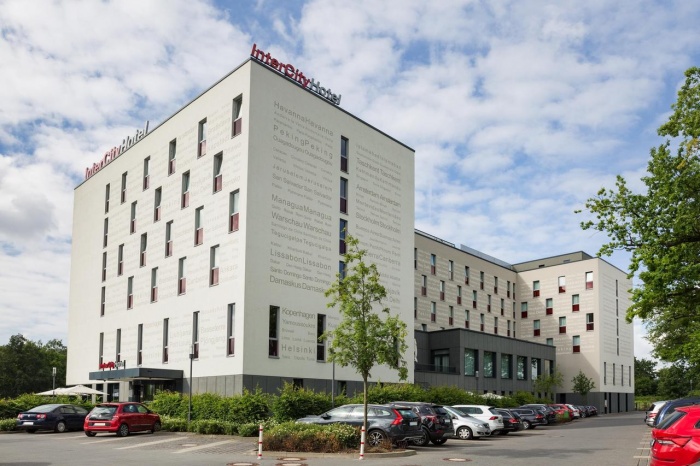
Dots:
{"x": 27, "y": 423}
{"x": 100, "y": 424}
{"x": 414, "y": 423}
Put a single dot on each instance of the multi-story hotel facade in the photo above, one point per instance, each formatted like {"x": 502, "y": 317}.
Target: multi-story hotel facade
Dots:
{"x": 208, "y": 242}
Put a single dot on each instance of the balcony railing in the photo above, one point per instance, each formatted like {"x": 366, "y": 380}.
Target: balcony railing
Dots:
{"x": 434, "y": 368}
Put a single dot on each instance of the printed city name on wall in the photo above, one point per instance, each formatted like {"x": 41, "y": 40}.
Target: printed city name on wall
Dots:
{"x": 116, "y": 151}
{"x": 295, "y": 74}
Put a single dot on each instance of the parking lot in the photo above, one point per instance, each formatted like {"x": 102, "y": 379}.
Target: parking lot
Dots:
{"x": 614, "y": 440}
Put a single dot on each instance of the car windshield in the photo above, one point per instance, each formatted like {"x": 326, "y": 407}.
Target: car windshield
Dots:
{"x": 44, "y": 408}
{"x": 671, "y": 419}
{"x": 102, "y": 410}
{"x": 493, "y": 411}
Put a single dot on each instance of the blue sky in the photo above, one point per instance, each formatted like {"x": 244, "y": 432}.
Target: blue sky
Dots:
{"x": 518, "y": 110}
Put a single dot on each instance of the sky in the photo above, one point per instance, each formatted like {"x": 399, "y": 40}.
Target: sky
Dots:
{"x": 518, "y": 110}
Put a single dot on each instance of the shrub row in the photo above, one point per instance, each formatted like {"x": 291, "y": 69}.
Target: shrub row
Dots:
{"x": 11, "y": 407}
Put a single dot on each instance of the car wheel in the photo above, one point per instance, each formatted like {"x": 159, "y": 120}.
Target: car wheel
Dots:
{"x": 375, "y": 438}
{"x": 90, "y": 434}
{"x": 503, "y": 432}
{"x": 31, "y": 431}
{"x": 439, "y": 441}
{"x": 423, "y": 440}
{"x": 156, "y": 427}
{"x": 526, "y": 425}
{"x": 465, "y": 433}
{"x": 60, "y": 427}
{"x": 123, "y": 430}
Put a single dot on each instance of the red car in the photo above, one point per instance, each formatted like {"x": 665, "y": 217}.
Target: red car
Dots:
{"x": 121, "y": 418}
{"x": 677, "y": 440}
{"x": 560, "y": 409}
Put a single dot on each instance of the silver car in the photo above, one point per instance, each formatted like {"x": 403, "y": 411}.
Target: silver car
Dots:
{"x": 467, "y": 427}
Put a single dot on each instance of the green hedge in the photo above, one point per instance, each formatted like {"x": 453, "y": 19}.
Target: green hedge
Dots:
{"x": 11, "y": 407}
{"x": 8, "y": 425}
{"x": 296, "y": 437}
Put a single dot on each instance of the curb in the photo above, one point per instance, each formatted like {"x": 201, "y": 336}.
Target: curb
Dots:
{"x": 297, "y": 454}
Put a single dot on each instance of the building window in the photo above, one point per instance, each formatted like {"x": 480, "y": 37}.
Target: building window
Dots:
{"x": 481, "y": 280}
{"x": 415, "y": 307}
{"x": 142, "y": 255}
{"x": 506, "y": 366}
{"x": 589, "y": 281}
{"x": 233, "y": 211}
{"x": 181, "y": 280}
{"x": 342, "y": 247}
{"x": 118, "y": 356}
{"x": 466, "y": 318}
{"x": 629, "y": 376}
{"x": 562, "y": 284}
{"x": 508, "y": 288}
{"x": 154, "y": 284}
{"x": 123, "y": 192}
{"x": 451, "y": 318}
{"x": 495, "y": 285}
{"x": 415, "y": 258}
{"x": 562, "y": 324}
{"x": 474, "y": 298}
{"x": 169, "y": 239}
{"x": 157, "y": 204}
{"x": 433, "y": 264}
{"x": 165, "y": 339}
{"x": 218, "y": 177}
{"x": 433, "y": 311}
{"x": 550, "y": 341}
{"x": 146, "y": 172}
{"x": 139, "y": 345}
{"x": 101, "y": 348}
{"x": 106, "y": 233}
{"x": 522, "y": 368}
{"x": 199, "y": 225}
{"x": 589, "y": 321}
{"x": 202, "y": 133}
{"x": 104, "y": 266}
{"x": 459, "y": 294}
{"x": 622, "y": 374}
{"x": 185, "y": 196}
{"x": 489, "y": 364}
{"x": 236, "y": 118}
{"x": 441, "y": 360}
{"x": 130, "y": 293}
{"x": 132, "y": 221}
{"x": 442, "y": 290}
{"x": 195, "y": 334}
{"x": 231, "y": 330}
{"x": 451, "y": 270}
{"x": 616, "y": 288}
{"x": 214, "y": 266}
{"x": 495, "y": 325}
{"x": 341, "y": 270}
{"x": 536, "y": 328}
{"x": 605, "y": 373}
{"x": 466, "y": 275}
{"x": 343, "y": 154}
{"x": 503, "y": 307}
{"x": 320, "y": 344}
{"x": 523, "y": 310}
{"x": 614, "y": 374}
{"x": 471, "y": 361}
{"x": 120, "y": 260}
{"x": 343, "y": 196}
{"x": 171, "y": 156}
{"x": 424, "y": 285}
{"x": 107, "y": 198}
{"x": 574, "y": 303}
{"x": 273, "y": 346}
{"x": 488, "y": 303}
{"x": 508, "y": 321}
{"x": 536, "y": 366}
{"x": 549, "y": 306}
{"x": 576, "y": 343}
{"x": 102, "y": 301}
{"x": 482, "y": 322}
{"x": 535, "y": 288}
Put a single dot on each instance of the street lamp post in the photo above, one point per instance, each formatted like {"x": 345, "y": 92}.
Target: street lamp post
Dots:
{"x": 189, "y": 408}
{"x": 53, "y": 373}
{"x": 476, "y": 373}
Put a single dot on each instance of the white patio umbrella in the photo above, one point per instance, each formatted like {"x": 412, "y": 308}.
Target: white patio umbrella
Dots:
{"x": 57, "y": 391}
{"x": 82, "y": 390}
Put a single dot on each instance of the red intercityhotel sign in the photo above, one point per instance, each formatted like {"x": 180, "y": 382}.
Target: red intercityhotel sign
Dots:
{"x": 295, "y": 74}
{"x": 113, "y": 365}
{"x": 116, "y": 151}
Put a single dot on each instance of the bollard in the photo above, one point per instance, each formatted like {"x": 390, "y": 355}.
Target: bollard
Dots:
{"x": 260, "y": 433}
{"x": 362, "y": 444}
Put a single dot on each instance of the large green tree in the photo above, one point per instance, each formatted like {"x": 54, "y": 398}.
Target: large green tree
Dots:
{"x": 367, "y": 333}
{"x": 582, "y": 385}
{"x": 547, "y": 384}
{"x": 26, "y": 366}
{"x": 661, "y": 228}
{"x": 645, "y": 377}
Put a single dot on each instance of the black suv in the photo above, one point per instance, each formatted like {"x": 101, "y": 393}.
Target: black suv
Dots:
{"x": 531, "y": 417}
{"x": 436, "y": 422}
{"x": 394, "y": 423}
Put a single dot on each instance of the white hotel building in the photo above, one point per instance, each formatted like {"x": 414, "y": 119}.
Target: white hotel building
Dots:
{"x": 202, "y": 250}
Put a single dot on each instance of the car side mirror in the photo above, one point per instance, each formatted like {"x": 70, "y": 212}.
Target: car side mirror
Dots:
{"x": 325, "y": 416}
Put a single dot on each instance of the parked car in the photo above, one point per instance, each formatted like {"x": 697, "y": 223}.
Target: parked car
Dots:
{"x": 672, "y": 405}
{"x": 436, "y": 422}
{"x": 467, "y": 427}
{"x": 676, "y": 440}
{"x": 531, "y": 418}
{"x": 121, "y": 418}
{"x": 575, "y": 410}
{"x": 512, "y": 422}
{"x": 394, "y": 423}
{"x": 550, "y": 416}
{"x": 56, "y": 417}
{"x": 485, "y": 413}
{"x": 653, "y": 411}
{"x": 562, "y": 409}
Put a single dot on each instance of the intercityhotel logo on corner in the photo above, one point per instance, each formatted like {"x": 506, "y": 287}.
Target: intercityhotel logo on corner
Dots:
{"x": 292, "y": 72}
{"x": 116, "y": 151}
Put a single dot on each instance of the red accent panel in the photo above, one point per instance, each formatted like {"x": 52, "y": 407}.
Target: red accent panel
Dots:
{"x": 202, "y": 148}
{"x": 562, "y": 329}
{"x": 218, "y": 183}
{"x": 198, "y": 236}
{"x": 185, "y": 199}
{"x": 574, "y": 307}
{"x": 237, "y": 126}
{"x": 233, "y": 222}
{"x": 535, "y": 293}
{"x": 154, "y": 294}
{"x": 536, "y": 332}
{"x": 145, "y": 182}
{"x": 590, "y": 326}
{"x": 215, "y": 276}
{"x": 171, "y": 166}
{"x": 182, "y": 286}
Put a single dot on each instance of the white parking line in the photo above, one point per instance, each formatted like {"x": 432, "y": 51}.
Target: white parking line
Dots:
{"x": 113, "y": 439}
{"x": 202, "y": 447}
{"x": 149, "y": 443}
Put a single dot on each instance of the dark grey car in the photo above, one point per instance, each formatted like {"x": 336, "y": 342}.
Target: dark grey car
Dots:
{"x": 394, "y": 423}
{"x": 56, "y": 417}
